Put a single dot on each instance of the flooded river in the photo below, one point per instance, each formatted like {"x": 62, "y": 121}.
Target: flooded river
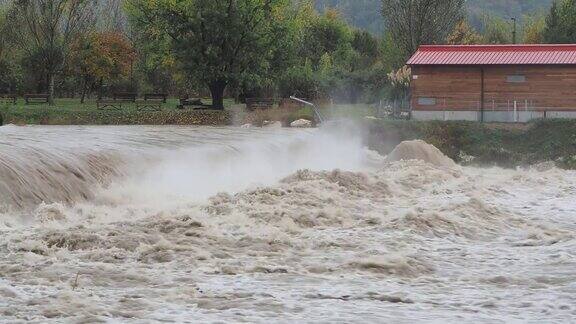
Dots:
{"x": 202, "y": 225}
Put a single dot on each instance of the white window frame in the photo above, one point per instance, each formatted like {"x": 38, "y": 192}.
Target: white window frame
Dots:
{"x": 516, "y": 78}
{"x": 427, "y": 101}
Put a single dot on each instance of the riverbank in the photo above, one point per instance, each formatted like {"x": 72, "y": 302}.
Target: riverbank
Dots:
{"x": 469, "y": 143}
{"x": 71, "y": 112}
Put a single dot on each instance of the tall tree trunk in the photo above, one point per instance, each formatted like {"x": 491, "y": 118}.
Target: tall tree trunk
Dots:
{"x": 101, "y": 88}
{"x": 217, "y": 91}
{"x": 51, "y": 89}
{"x": 84, "y": 86}
{"x": 84, "y": 89}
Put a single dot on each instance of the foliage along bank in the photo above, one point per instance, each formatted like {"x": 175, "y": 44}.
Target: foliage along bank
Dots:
{"x": 50, "y": 116}
{"x": 483, "y": 144}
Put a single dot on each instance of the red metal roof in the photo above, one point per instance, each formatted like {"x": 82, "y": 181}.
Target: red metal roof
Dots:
{"x": 494, "y": 55}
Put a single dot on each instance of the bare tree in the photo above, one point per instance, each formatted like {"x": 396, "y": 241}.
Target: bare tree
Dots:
{"x": 416, "y": 22}
{"x": 3, "y": 40}
{"x": 111, "y": 16}
{"x": 44, "y": 29}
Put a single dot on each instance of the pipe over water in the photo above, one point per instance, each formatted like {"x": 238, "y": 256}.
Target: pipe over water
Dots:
{"x": 317, "y": 112}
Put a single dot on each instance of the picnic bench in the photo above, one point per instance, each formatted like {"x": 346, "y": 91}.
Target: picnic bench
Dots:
{"x": 124, "y": 96}
{"x": 108, "y": 103}
{"x": 185, "y": 102}
{"x": 147, "y": 104}
{"x": 259, "y": 103}
{"x": 32, "y": 98}
{"x": 8, "y": 98}
{"x": 116, "y": 101}
{"x": 156, "y": 97}
{"x": 152, "y": 101}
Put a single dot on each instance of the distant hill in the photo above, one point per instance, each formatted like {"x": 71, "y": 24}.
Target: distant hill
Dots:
{"x": 518, "y": 9}
{"x": 365, "y": 14}
{"x": 511, "y": 8}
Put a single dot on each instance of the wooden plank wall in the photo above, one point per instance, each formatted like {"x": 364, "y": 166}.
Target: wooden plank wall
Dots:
{"x": 455, "y": 88}
{"x": 546, "y": 87}
{"x": 458, "y": 88}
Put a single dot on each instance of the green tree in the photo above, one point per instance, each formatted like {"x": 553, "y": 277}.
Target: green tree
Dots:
{"x": 392, "y": 56}
{"x": 327, "y": 33}
{"x": 553, "y": 25}
{"x": 299, "y": 80}
{"x": 534, "y": 30}
{"x": 463, "y": 34}
{"x": 218, "y": 42}
{"x": 497, "y": 30}
{"x": 561, "y": 23}
{"x": 340, "y": 57}
{"x": 6, "y": 72}
{"x": 366, "y": 45}
{"x": 3, "y": 39}
{"x": 157, "y": 64}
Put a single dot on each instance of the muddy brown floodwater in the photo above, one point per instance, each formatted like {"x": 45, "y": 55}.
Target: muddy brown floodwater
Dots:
{"x": 201, "y": 225}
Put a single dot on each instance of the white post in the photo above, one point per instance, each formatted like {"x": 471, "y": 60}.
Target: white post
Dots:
{"x": 515, "y": 111}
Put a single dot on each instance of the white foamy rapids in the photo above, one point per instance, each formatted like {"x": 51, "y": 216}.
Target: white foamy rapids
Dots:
{"x": 71, "y": 165}
{"x": 420, "y": 150}
{"x": 248, "y": 225}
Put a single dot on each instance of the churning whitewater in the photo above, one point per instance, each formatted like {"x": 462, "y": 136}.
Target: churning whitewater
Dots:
{"x": 199, "y": 225}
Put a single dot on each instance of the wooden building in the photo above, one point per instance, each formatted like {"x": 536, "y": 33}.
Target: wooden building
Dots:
{"x": 498, "y": 83}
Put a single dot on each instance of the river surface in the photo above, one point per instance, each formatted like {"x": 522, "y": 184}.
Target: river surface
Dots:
{"x": 231, "y": 225}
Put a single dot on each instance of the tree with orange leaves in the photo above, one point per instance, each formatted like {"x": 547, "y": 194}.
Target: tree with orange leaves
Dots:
{"x": 464, "y": 34}
{"x": 102, "y": 56}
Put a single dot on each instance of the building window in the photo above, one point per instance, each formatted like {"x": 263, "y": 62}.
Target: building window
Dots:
{"x": 518, "y": 78}
{"x": 427, "y": 101}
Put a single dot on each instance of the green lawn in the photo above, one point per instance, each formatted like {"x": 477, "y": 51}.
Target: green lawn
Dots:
{"x": 66, "y": 105}
{"x": 339, "y": 111}
{"x": 72, "y": 112}
{"x": 74, "y": 105}
{"x": 349, "y": 110}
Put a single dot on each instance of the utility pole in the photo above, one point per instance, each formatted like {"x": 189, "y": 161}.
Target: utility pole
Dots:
{"x": 513, "y": 30}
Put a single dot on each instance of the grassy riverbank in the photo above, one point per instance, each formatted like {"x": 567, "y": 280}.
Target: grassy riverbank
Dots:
{"x": 505, "y": 145}
{"x": 484, "y": 144}
{"x": 71, "y": 112}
